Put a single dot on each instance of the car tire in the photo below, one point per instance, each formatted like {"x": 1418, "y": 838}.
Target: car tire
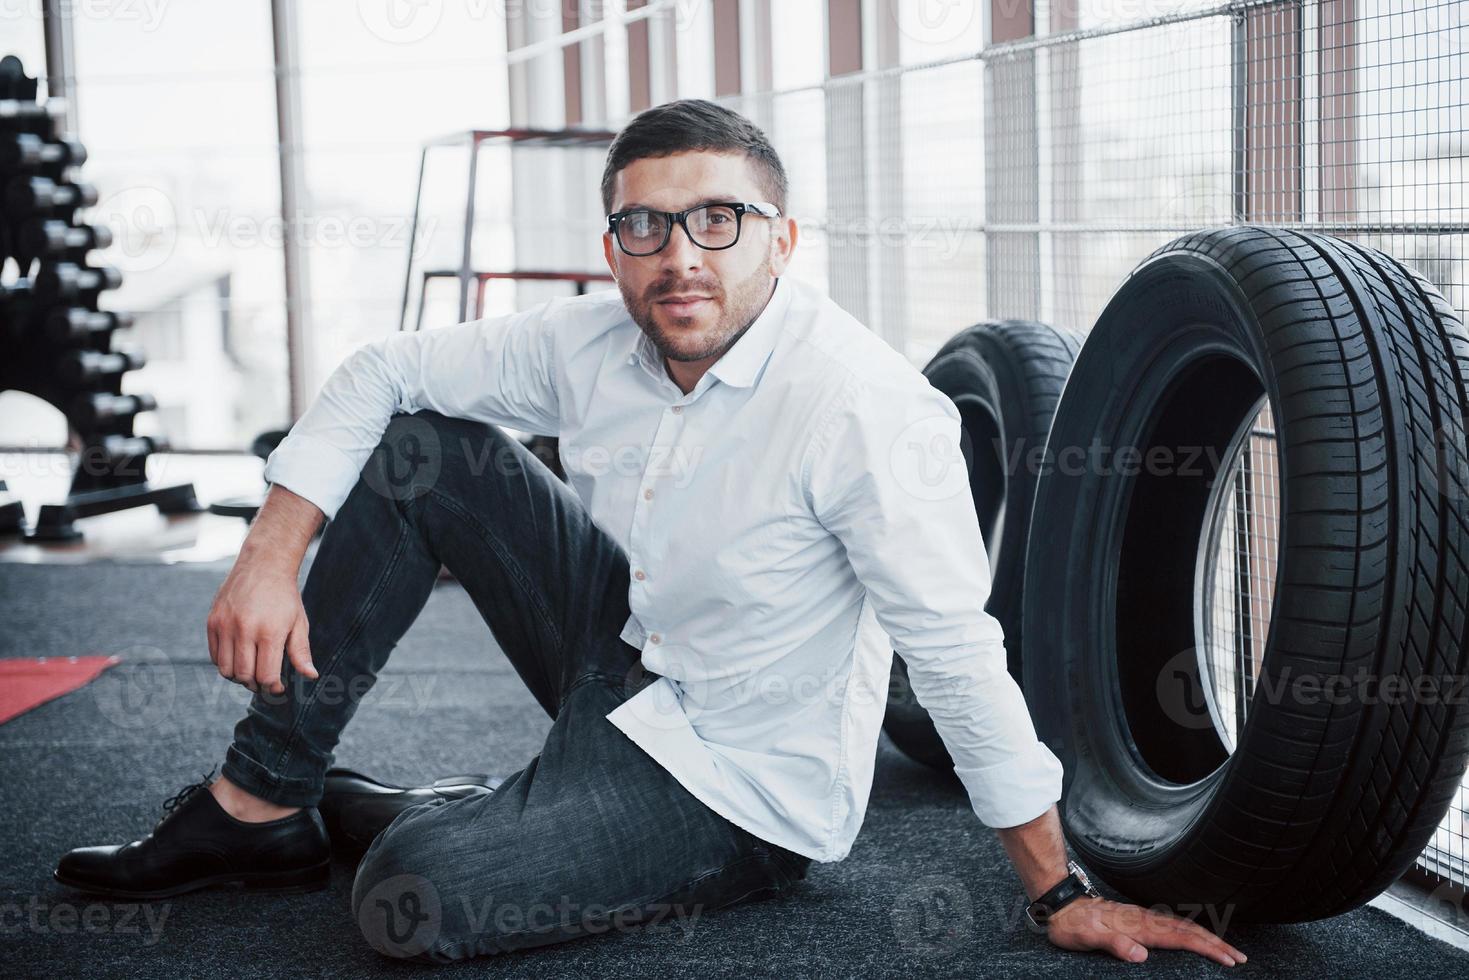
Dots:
{"x": 1307, "y": 794}
{"x": 1004, "y": 377}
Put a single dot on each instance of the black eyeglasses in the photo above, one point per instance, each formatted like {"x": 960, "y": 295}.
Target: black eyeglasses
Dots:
{"x": 643, "y": 231}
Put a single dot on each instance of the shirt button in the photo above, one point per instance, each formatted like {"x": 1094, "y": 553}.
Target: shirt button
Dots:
{"x": 656, "y": 638}
{"x": 678, "y": 410}
{"x": 639, "y": 575}
{"x": 647, "y": 494}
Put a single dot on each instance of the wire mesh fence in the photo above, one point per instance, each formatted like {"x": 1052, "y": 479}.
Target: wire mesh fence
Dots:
{"x": 1239, "y": 572}
{"x": 1026, "y": 179}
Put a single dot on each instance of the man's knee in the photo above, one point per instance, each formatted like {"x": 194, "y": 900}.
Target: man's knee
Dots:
{"x": 394, "y": 899}
{"x": 427, "y": 450}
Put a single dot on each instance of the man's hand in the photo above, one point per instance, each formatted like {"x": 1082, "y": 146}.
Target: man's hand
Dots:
{"x": 257, "y": 615}
{"x": 1127, "y": 931}
{"x": 257, "y": 612}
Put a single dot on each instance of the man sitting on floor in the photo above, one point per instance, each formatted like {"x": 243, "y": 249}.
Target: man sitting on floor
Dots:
{"x": 708, "y": 611}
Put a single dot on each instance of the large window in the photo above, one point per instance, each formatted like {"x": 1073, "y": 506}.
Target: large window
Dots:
{"x": 374, "y": 88}
{"x": 21, "y": 35}
{"x": 177, "y": 111}
{"x": 175, "y": 106}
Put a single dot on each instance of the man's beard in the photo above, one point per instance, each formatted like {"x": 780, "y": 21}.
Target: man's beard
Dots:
{"x": 738, "y": 308}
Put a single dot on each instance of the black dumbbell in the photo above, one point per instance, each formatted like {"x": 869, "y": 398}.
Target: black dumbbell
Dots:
{"x": 85, "y": 367}
{"x": 120, "y": 447}
{"x": 78, "y": 325}
{"x": 47, "y": 237}
{"x": 41, "y": 118}
{"x": 68, "y": 281}
{"x": 96, "y": 408}
{"x": 27, "y": 151}
{"x": 30, "y": 195}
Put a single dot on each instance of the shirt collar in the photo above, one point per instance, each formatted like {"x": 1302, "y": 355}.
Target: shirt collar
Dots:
{"x": 741, "y": 363}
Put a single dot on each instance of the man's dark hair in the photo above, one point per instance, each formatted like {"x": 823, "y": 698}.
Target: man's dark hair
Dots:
{"x": 695, "y": 124}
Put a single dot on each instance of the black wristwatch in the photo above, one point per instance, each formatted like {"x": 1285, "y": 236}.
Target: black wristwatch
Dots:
{"x": 1072, "y": 887}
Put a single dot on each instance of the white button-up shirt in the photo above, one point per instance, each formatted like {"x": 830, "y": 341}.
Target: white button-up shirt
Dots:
{"x": 799, "y": 515}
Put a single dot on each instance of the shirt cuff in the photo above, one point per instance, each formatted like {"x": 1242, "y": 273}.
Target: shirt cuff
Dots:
{"x": 313, "y": 468}
{"x": 1017, "y": 791}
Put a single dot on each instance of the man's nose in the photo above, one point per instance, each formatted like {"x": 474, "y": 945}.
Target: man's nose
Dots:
{"x": 680, "y": 252}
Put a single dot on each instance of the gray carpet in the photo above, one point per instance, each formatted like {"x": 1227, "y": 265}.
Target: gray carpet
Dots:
{"x": 94, "y": 767}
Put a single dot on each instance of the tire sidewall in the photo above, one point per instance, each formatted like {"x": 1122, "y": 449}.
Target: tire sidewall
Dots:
{"x": 1175, "y": 311}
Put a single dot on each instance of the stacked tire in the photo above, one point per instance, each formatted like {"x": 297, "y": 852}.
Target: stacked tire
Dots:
{"x": 1005, "y": 378}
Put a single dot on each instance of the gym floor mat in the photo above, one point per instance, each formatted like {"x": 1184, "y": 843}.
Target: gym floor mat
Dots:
{"x": 76, "y": 772}
{"x": 26, "y": 683}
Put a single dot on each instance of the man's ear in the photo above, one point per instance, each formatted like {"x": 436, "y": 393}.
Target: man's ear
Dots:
{"x": 607, "y": 249}
{"x": 782, "y": 244}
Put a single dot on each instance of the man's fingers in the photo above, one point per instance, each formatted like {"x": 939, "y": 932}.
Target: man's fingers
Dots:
{"x": 1179, "y": 940}
{"x": 244, "y": 667}
{"x": 1197, "y": 934}
{"x": 1129, "y": 931}
{"x": 268, "y": 664}
{"x": 299, "y": 650}
{"x": 1123, "y": 946}
{"x": 1169, "y": 932}
{"x": 226, "y": 661}
{"x": 1095, "y": 933}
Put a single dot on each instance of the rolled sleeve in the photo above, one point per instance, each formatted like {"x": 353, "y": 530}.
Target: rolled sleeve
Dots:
{"x": 1016, "y": 791}
{"x": 500, "y": 370}
{"x": 885, "y": 473}
{"x": 313, "y": 468}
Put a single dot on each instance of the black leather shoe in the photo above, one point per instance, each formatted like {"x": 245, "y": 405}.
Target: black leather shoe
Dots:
{"x": 196, "y": 844}
{"x": 356, "y": 808}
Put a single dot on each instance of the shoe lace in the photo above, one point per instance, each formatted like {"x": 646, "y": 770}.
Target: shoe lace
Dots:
{"x": 183, "y": 794}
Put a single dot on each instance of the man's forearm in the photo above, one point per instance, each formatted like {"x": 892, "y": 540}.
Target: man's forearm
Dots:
{"x": 1038, "y": 851}
{"x": 282, "y": 530}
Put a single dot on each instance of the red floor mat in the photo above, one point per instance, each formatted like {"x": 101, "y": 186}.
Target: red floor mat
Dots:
{"x": 27, "y": 683}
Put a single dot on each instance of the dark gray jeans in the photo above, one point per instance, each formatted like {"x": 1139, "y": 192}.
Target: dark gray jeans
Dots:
{"x": 592, "y": 834}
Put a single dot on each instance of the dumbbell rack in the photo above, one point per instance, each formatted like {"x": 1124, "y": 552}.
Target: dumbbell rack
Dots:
{"x": 54, "y": 341}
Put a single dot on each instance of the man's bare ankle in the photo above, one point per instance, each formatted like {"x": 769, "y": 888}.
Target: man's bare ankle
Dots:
{"x": 246, "y": 806}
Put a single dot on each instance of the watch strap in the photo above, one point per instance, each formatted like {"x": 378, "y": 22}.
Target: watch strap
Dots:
{"x": 1075, "y": 885}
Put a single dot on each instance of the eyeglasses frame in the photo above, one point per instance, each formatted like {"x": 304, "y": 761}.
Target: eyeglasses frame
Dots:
{"x": 741, "y": 208}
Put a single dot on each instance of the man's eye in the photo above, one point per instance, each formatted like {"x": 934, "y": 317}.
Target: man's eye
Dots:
{"x": 640, "y": 224}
